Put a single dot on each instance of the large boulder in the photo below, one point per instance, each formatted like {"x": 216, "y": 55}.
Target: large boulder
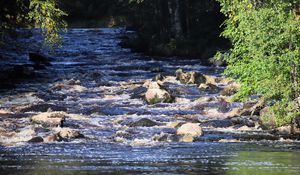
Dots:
{"x": 190, "y": 77}
{"x": 49, "y": 119}
{"x": 156, "y": 94}
{"x": 189, "y": 131}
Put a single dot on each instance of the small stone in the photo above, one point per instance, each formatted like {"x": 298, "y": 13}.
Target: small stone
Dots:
{"x": 209, "y": 88}
{"x": 230, "y": 90}
{"x": 53, "y": 138}
{"x": 36, "y": 140}
{"x": 190, "y": 77}
{"x": 144, "y": 122}
{"x": 158, "y": 77}
{"x": 68, "y": 133}
{"x": 182, "y": 100}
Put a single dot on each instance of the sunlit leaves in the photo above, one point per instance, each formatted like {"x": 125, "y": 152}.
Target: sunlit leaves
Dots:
{"x": 265, "y": 57}
{"x": 46, "y": 15}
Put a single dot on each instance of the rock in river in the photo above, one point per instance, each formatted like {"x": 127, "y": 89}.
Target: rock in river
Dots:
{"x": 68, "y": 133}
{"x": 189, "y": 132}
{"x": 144, "y": 122}
{"x": 190, "y": 77}
{"x": 156, "y": 94}
{"x": 36, "y": 140}
{"x": 49, "y": 119}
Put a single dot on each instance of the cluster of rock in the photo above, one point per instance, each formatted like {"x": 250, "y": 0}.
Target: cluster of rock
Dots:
{"x": 53, "y": 122}
{"x": 242, "y": 118}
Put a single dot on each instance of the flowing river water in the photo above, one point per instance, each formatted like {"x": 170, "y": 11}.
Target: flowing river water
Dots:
{"x": 92, "y": 79}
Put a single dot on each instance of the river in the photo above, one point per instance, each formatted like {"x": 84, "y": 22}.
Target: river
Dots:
{"x": 105, "y": 75}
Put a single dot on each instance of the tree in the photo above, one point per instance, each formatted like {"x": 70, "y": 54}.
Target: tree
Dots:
{"x": 43, "y": 14}
{"x": 265, "y": 56}
{"x": 178, "y": 27}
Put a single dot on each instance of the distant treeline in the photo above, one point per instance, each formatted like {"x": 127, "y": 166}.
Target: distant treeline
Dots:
{"x": 164, "y": 27}
{"x": 178, "y": 27}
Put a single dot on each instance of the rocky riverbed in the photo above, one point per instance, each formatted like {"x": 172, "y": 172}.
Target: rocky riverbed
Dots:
{"x": 96, "y": 93}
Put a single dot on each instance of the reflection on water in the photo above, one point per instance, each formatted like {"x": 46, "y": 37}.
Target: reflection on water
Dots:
{"x": 175, "y": 158}
{"x": 264, "y": 163}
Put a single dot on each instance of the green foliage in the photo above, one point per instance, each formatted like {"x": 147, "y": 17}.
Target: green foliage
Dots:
{"x": 265, "y": 53}
{"x": 43, "y": 14}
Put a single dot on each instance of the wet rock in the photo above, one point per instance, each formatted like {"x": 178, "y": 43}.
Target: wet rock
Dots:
{"x": 5, "y": 113}
{"x": 218, "y": 123}
{"x": 39, "y": 59}
{"x": 211, "y": 88}
{"x": 186, "y": 138}
{"x": 211, "y": 79}
{"x": 190, "y": 77}
{"x": 189, "y": 131}
{"x": 144, "y": 122}
{"x": 224, "y": 106}
{"x": 68, "y": 133}
{"x": 230, "y": 90}
{"x": 120, "y": 139}
{"x": 73, "y": 82}
{"x": 36, "y": 140}
{"x": 174, "y": 124}
{"x": 235, "y": 112}
{"x": 147, "y": 83}
{"x": 63, "y": 86}
{"x": 182, "y": 100}
{"x": 41, "y": 130}
{"x": 42, "y": 108}
{"x": 49, "y": 119}
{"x": 243, "y": 121}
{"x": 138, "y": 92}
{"x": 53, "y": 138}
{"x": 284, "y": 130}
{"x": 159, "y": 77}
{"x": 205, "y": 99}
{"x": 165, "y": 137}
{"x": 123, "y": 134}
{"x": 156, "y": 94}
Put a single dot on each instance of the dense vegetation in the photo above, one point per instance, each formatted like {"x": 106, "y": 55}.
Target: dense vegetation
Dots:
{"x": 265, "y": 57}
